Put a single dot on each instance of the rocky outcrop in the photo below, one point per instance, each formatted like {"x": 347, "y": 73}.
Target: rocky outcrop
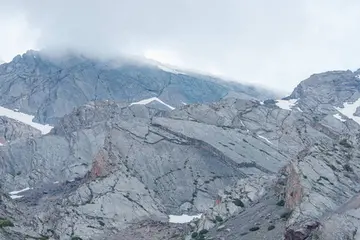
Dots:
{"x": 233, "y": 200}
{"x": 12, "y": 130}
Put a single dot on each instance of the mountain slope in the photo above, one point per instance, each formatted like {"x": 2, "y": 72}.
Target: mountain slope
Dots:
{"x": 131, "y": 155}
{"x": 110, "y": 169}
{"x": 50, "y": 87}
{"x": 156, "y": 163}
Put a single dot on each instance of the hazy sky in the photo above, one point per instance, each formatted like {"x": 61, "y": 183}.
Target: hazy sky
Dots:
{"x": 275, "y": 43}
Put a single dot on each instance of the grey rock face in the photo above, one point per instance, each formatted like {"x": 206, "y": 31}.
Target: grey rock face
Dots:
{"x": 149, "y": 161}
{"x": 152, "y": 162}
{"x": 12, "y": 130}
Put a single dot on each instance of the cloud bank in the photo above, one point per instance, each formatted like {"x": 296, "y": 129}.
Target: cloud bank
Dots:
{"x": 273, "y": 43}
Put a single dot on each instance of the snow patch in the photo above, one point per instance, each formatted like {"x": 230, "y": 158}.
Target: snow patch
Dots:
{"x": 184, "y": 103}
{"x": 299, "y": 109}
{"x": 25, "y": 118}
{"x": 183, "y": 218}
{"x": 349, "y": 109}
{"x": 357, "y": 76}
{"x": 338, "y": 116}
{"x": 14, "y": 194}
{"x": 286, "y": 104}
{"x": 262, "y": 137}
{"x": 242, "y": 123}
{"x": 19, "y": 191}
{"x": 149, "y": 100}
{"x": 170, "y": 70}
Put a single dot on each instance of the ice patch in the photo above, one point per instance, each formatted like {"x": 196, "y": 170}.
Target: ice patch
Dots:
{"x": 149, "y": 100}
{"x": 183, "y": 218}
{"x": 349, "y": 109}
{"x": 262, "y": 137}
{"x": 339, "y": 117}
{"x": 286, "y": 104}
{"x": 25, "y": 118}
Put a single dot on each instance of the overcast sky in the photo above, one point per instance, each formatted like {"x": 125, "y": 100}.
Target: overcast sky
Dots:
{"x": 274, "y": 43}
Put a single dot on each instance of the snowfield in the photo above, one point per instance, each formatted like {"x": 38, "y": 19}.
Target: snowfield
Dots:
{"x": 25, "y": 118}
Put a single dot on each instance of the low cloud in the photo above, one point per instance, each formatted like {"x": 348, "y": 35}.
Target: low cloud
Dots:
{"x": 272, "y": 43}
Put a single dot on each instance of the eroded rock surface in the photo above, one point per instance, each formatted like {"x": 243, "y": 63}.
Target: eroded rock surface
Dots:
{"x": 253, "y": 170}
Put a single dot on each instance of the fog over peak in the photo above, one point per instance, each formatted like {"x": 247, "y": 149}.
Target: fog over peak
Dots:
{"x": 271, "y": 43}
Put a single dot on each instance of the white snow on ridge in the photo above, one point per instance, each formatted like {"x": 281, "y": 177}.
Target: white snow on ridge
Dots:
{"x": 338, "y": 116}
{"x": 183, "y": 218}
{"x": 286, "y": 104}
{"x": 149, "y": 100}
{"x": 267, "y": 140}
{"x": 349, "y": 109}
{"x": 25, "y": 118}
{"x": 170, "y": 70}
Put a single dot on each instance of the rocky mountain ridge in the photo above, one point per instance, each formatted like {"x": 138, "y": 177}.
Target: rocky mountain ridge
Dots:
{"x": 50, "y": 87}
{"x": 286, "y": 169}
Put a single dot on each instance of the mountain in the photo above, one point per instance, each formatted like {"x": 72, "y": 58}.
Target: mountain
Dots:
{"x": 49, "y": 87}
{"x": 138, "y": 169}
